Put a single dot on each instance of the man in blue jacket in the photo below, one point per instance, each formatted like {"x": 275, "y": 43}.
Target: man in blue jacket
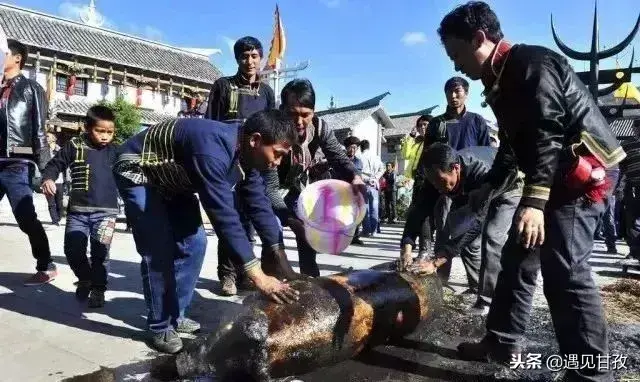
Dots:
{"x": 158, "y": 172}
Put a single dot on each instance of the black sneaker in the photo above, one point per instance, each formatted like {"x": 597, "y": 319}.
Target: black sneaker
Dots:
{"x": 166, "y": 342}
{"x": 488, "y": 350}
{"x": 96, "y": 299}
{"x": 187, "y": 325}
{"x": 357, "y": 241}
{"x": 82, "y": 290}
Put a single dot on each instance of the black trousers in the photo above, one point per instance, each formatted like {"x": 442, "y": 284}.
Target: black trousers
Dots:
{"x": 390, "y": 205}
{"x": 56, "y": 207}
{"x": 573, "y": 298}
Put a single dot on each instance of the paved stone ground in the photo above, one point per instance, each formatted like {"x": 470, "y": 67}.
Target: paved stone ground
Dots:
{"x": 47, "y": 335}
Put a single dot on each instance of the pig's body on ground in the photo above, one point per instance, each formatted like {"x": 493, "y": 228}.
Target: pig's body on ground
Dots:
{"x": 336, "y": 317}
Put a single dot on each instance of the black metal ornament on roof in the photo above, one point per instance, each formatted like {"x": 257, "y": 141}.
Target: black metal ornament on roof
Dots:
{"x": 594, "y": 77}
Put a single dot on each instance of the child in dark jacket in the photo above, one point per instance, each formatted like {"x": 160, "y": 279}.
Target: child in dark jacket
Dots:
{"x": 93, "y": 203}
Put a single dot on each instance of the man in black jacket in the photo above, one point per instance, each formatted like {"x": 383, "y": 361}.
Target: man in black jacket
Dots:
{"x": 552, "y": 130}
{"x": 455, "y": 175}
{"x": 237, "y": 98}
{"x": 317, "y": 155}
{"x": 23, "y": 111}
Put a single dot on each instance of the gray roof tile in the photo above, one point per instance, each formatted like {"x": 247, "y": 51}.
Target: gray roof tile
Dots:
{"x": 50, "y": 32}
{"x": 405, "y": 122}
{"x": 79, "y": 108}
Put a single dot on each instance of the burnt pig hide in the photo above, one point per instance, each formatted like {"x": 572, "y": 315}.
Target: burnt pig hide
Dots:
{"x": 336, "y": 317}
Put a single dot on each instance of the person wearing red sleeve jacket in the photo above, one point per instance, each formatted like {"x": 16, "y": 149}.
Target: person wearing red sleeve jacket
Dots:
{"x": 552, "y": 130}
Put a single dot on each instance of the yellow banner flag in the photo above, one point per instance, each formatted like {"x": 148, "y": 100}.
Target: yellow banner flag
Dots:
{"x": 278, "y": 44}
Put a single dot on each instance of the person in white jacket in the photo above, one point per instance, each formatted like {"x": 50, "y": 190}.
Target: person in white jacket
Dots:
{"x": 372, "y": 170}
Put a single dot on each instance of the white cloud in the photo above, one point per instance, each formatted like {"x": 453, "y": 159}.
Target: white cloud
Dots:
{"x": 74, "y": 11}
{"x": 147, "y": 32}
{"x": 414, "y": 38}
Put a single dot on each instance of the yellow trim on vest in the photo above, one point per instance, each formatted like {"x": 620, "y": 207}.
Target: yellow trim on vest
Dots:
{"x": 233, "y": 99}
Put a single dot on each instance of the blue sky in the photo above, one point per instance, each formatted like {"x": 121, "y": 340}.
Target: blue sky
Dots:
{"x": 358, "y": 48}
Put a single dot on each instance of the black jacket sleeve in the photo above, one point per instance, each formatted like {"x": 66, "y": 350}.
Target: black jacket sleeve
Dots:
{"x": 336, "y": 156}
{"x": 422, "y": 206}
{"x": 60, "y": 162}
{"x": 271, "y": 98}
{"x": 39, "y": 117}
{"x": 217, "y": 101}
{"x": 542, "y": 135}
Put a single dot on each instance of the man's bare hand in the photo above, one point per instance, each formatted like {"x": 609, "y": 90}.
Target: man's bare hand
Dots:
{"x": 48, "y": 187}
{"x": 278, "y": 291}
{"x": 427, "y": 267}
{"x": 530, "y": 225}
{"x": 406, "y": 258}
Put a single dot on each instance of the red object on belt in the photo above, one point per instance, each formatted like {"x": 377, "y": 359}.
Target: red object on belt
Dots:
{"x": 587, "y": 174}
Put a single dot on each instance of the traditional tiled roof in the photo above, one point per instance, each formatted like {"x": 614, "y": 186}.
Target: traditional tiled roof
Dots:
{"x": 405, "y": 122}
{"x": 79, "y": 108}
{"x": 347, "y": 117}
{"x": 49, "y": 32}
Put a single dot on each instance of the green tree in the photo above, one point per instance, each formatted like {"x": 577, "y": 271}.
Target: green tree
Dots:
{"x": 128, "y": 118}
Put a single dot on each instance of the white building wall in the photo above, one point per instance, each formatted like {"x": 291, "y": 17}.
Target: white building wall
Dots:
{"x": 369, "y": 130}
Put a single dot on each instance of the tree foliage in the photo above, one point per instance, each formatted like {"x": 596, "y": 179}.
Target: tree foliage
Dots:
{"x": 128, "y": 118}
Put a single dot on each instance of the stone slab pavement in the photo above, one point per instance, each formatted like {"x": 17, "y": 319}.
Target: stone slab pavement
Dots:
{"x": 46, "y": 335}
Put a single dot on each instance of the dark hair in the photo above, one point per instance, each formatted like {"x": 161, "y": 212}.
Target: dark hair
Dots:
{"x": 464, "y": 21}
{"x": 301, "y": 91}
{"x": 441, "y": 156}
{"x": 246, "y": 44}
{"x": 391, "y": 163}
{"x": 425, "y": 117}
{"x": 98, "y": 113}
{"x": 273, "y": 125}
{"x": 352, "y": 140}
{"x": 364, "y": 145}
{"x": 454, "y": 82}
{"x": 16, "y": 47}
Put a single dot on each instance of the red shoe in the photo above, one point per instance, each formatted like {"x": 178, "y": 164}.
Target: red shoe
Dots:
{"x": 41, "y": 277}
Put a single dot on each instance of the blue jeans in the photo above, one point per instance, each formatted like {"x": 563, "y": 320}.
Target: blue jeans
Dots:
{"x": 15, "y": 184}
{"x": 171, "y": 239}
{"x": 96, "y": 228}
{"x": 372, "y": 200}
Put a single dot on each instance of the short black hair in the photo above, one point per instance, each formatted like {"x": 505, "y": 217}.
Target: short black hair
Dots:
{"x": 273, "y": 125}
{"x": 391, "y": 163}
{"x": 16, "y": 47}
{"x": 364, "y": 145}
{"x": 98, "y": 113}
{"x": 454, "y": 82}
{"x": 425, "y": 117}
{"x": 246, "y": 44}
{"x": 301, "y": 90}
{"x": 352, "y": 140}
{"x": 441, "y": 156}
{"x": 464, "y": 21}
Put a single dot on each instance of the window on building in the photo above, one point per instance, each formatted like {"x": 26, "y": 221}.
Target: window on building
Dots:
{"x": 79, "y": 89}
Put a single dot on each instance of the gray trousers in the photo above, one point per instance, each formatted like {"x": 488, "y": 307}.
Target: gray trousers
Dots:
{"x": 495, "y": 232}
{"x": 481, "y": 258}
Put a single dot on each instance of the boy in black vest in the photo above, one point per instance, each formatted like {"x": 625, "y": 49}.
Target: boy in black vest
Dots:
{"x": 93, "y": 203}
